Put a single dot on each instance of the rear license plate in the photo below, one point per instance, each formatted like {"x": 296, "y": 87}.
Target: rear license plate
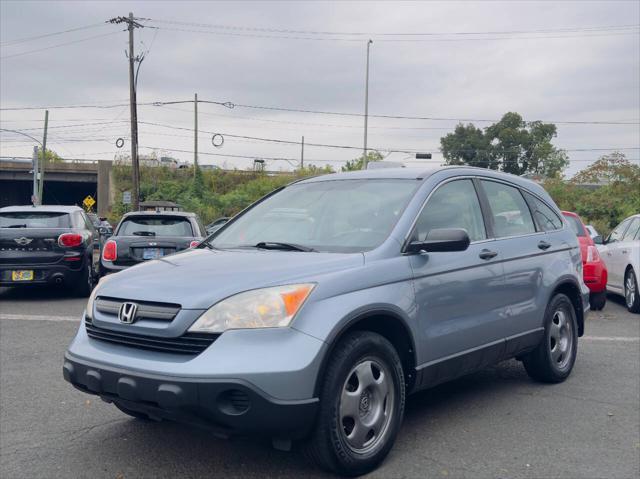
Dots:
{"x": 22, "y": 275}
{"x": 152, "y": 253}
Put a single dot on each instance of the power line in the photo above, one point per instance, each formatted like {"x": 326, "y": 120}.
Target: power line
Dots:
{"x": 232, "y": 105}
{"x": 58, "y": 45}
{"x": 291, "y": 34}
{"x": 396, "y": 40}
{"x": 36, "y": 37}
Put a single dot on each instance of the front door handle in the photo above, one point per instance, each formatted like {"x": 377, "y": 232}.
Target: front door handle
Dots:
{"x": 486, "y": 254}
{"x": 544, "y": 245}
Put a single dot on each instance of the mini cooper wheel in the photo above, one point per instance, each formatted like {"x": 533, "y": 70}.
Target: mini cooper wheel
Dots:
{"x": 361, "y": 405}
{"x": 553, "y": 359}
{"x": 597, "y": 301}
{"x": 86, "y": 282}
{"x": 631, "y": 295}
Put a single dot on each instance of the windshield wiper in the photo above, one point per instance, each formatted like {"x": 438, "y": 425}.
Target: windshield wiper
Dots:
{"x": 283, "y": 246}
{"x": 144, "y": 233}
{"x": 15, "y": 226}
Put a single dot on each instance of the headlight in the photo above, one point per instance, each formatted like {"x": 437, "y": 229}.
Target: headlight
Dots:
{"x": 260, "y": 308}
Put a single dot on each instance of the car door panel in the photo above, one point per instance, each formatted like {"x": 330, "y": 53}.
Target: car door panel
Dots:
{"x": 458, "y": 294}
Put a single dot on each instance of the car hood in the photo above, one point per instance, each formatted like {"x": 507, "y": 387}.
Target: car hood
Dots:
{"x": 197, "y": 279}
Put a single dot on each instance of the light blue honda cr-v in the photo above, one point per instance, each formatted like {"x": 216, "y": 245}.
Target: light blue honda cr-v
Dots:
{"x": 313, "y": 313}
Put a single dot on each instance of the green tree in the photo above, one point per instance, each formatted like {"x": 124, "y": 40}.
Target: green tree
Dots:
{"x": 358, "y": 163}
{"x": 467, "y": 145}
{"x": 511, "y": 145}
{"x": 50, "y": 157}
{"x": 604, "y": 206}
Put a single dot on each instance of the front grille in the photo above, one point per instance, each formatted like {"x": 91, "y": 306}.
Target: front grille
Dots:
{"x": 188, "y": 343}
{"x": 146, "y": 310}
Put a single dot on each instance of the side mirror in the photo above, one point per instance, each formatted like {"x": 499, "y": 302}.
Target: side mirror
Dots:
{"x": 102, "y": 230}
{"x": 598, "y": 239}
{"x": 441, "y": 240}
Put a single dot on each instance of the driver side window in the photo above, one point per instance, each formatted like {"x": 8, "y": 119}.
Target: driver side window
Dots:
{"x": 453, "y": 205}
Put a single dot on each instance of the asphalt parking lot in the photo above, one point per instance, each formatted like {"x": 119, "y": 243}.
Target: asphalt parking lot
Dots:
{"x": 493, "y": 424}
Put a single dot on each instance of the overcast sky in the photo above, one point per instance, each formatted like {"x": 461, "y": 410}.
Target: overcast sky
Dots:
{"x": 573, "y": 71}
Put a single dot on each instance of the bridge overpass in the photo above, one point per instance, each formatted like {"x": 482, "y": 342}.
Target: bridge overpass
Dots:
{"x": 65, "y": 183}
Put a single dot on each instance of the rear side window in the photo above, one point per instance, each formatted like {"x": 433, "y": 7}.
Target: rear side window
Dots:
{"x": 511, "y": 215}
{"x": 632, "y": 230}
{"x": 575, "y": 224}
{"x": 34, "y": 219}
{"x": 453, "y": 205}
{"x": 155, "y": 226}
{"x": 546, "y": 218}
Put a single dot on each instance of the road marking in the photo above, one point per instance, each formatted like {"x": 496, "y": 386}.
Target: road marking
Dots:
{"x": 31, "y": 317}
{"x": 622, "y": 339}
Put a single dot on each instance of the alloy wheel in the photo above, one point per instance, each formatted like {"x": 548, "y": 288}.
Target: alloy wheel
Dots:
{"x": 630, "y": 289}
{"x": 561, "y": 339}
{"x": 366, "y": 406}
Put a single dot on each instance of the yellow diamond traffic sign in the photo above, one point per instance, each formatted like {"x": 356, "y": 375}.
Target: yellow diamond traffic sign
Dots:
{"x": 88, "y": 202}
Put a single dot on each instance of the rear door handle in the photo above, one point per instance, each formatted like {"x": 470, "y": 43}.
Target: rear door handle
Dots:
{"x": 544, "y": 245}
{"x": 486, "y": 254}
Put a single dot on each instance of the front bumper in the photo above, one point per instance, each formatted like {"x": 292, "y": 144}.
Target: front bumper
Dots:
{"x": 227, "y": 406}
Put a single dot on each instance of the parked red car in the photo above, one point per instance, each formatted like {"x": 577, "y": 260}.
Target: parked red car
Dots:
{"x": 594, "y": 270}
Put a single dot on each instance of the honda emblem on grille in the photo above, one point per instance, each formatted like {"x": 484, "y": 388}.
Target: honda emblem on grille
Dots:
{"x": 23, "y": 241}
{"x": 127, "y": 312}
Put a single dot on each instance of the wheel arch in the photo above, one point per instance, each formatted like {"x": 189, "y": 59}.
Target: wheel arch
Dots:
{"x": 570, "y": 289}
{"x": 390, "y": 325}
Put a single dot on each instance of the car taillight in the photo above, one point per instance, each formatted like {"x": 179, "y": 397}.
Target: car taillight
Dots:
{"x": 110, "y": 251}
{"x": 69, "y": 240}
{"x": 193, "y": 244}
{"x": 592, "y": 254}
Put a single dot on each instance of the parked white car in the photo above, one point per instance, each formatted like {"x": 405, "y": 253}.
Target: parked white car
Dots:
{"x": 621, "y": 253}
{"x": 592, "y": 231}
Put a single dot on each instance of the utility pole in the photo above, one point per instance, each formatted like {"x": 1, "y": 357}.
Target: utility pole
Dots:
{"x": 34, "y": 196}
{"x": 135, "y": 165}
{"x": 44, "y": 156}
{"x": 302, "y": 155}
{"x": 195, "y": 135}
{"x": 366, "y": 107}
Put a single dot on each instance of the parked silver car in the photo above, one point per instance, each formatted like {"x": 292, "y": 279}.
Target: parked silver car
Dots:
{"x": 312, "y": 314}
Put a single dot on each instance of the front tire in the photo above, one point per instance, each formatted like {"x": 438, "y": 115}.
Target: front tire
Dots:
{"x": 361, "y": 405}
{"x": 597, "y": 301}
{"x": 553, "y": 359}
{"x": 631, "y": 295}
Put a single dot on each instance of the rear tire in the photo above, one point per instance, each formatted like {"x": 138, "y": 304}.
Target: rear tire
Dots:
{"x": 553, "y": 359}
{"x": 631, "y": 295}
{"x": 361, "y": 405}
{"x": 598, "y": 300}
{"x": 86, "y": 282}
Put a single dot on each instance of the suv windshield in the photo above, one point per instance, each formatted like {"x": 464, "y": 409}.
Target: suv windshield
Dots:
{"x": 339, "y": 216}
{"x": 34, "y": 219}
{"x": 155, "y": 226}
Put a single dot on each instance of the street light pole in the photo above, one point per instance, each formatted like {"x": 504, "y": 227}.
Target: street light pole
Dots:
{"x": 366, "y": 107}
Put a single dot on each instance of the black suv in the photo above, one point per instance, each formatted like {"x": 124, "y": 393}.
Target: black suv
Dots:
{"x": 48, "y": 245}
{"x": 142, "y": 235}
